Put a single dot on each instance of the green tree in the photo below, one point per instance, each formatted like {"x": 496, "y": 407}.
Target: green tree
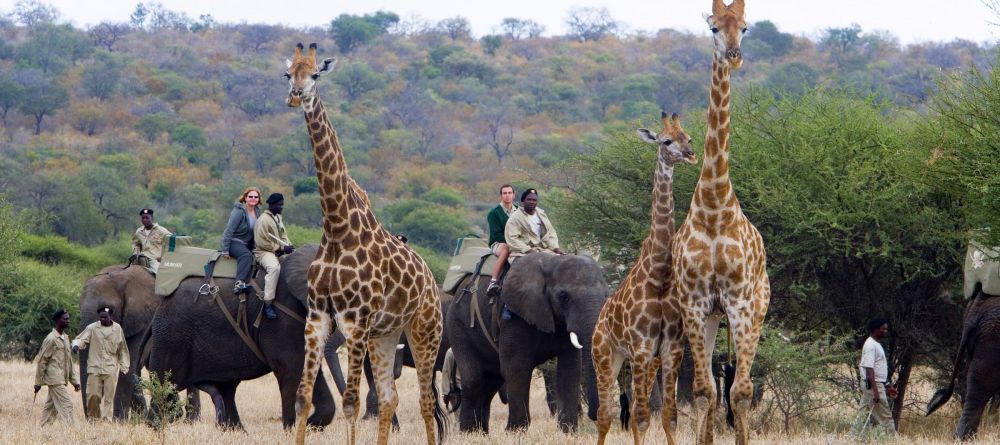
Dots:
{"x": 102, "y": 77}
{"x": 305, "y": 185}
{"x": 151, "y": 126}
{"x": 48, "y": 96}
{"x": 357, "y": 79}
{"x": 188, "y": 135}
{"x": 434, "y": 226}
{"x": 10, "y": 234}
{"x": 766, "y": 41}
{"x": 53, "y": 48}
{"x": 351, "y": 31}
{"x": 445, "y": 196}
{"x": 11, "y": 94}
{"x": 491, "y": 43}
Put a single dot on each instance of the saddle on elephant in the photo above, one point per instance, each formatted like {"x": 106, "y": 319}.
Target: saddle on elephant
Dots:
{"x": 982, "y": 268}
{"x": 472, "y": 256}
{"x": 182, "y": 260}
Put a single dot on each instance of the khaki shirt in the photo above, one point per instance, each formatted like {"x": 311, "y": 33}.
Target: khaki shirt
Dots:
{"x": 522, "y": 240}
{"x": 269, "y": 226}
{"x": 55, "y": 364}
{"x": 108, "y": 352}
{"x": 150, "y": 243}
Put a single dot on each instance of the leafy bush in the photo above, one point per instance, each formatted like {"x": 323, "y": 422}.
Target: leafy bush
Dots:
{"x": 28, "y": 297}
{"x": 56, "y": 250}
{"x": 164, "y": 402}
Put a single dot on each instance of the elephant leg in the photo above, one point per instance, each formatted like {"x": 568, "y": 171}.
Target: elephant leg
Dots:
{"x": 333, "y": 361}
{"x": 607, "y": 364}
{"x": 382, "y": 351}
{"x": 228, "y": 391}
{"x": 548, "y": 371}
{"x": 220, "y": 405}
{"x": 568, "y": 372}
{"x": 981, "y": 384}
{"x": 474, "y": 414}
{"x": 518, "y": 382}
{"x": 192, "y": 412}
{"x": 371, "y": 400}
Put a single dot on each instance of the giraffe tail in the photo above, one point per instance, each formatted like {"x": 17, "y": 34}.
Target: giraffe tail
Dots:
{"x": 440, "y": 419}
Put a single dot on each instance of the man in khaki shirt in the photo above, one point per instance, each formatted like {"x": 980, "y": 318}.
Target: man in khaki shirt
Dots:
{"x": 529, "y": 229}
{"x": 148, "y": 242}
{"x": 271, "y": 241}
{"x": 55, "y": 369}
{"x": 107, "y": 356}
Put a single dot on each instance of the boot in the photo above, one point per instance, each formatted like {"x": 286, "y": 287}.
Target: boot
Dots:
{"x": 493, "y": 290}
{"x": 269, "y": 311}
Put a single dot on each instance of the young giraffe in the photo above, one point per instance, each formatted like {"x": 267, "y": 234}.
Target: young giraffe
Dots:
{"x": 370, "y": 282}
{"x": 630, "y": 323}
{"x": 719, "y": 263}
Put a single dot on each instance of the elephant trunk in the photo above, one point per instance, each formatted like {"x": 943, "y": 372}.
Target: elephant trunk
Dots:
{"x": 589, "y": 377}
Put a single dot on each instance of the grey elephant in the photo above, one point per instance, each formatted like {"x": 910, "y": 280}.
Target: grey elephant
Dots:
{"x": 980, "y": 350}
{"x": 129, "y": 292}
{"x": 547, "y": 309}
{"x": 191, "y": 338}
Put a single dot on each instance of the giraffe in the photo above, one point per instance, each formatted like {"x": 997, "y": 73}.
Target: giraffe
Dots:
{"x": 630, "y": 323}
{"x": 719, "y": 263}
{"x": 365, "y": 279}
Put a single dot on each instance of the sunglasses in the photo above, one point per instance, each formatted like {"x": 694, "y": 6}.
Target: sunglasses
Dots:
{"x": 253, "y": 197}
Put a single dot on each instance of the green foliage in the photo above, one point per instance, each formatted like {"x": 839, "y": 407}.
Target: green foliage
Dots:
{"x": 165, "y": 405}
{"x": 308, "y": 184}
{"x": 48, "y": 96}
{"x": 29, "y": 296}
{"x": 436, "y": 261}
{"x": 766, "y": 41}
{"x": 11, "y": 234}
{"x": 802, "y": 375}
{"x": 491, "y": 43}
{"x": 188, "y": 135}
{"x": 351, "y": 31}
{"x": 103, "y": 76}
{"x": 304, "y": 210}
{"x": 962, "y": 138}
{"x": 11, "y": 94}
{"x": 427, "y": 224}
{"x": 304, "y": 235}
{"x": 53, "y": 48}
{"x": 56, "y": 250}
{"x": 151, "y": 126}
{"x": 445, "y": 196}
{"x": 357, "y": 79}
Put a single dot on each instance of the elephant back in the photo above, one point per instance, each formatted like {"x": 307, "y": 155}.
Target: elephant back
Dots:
{"x": 981, "y": 269}
{"x": 295, "y": 272}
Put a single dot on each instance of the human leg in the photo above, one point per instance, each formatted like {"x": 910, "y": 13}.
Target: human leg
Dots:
{"x": 502, "y": 252}
{"x": 272, "y": 266}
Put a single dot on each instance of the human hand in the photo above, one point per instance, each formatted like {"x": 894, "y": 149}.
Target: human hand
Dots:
{"x": 875, "y": 398}
{"x": 289, "y": 249}
{"x": 76, "y": 387}
{"x": 38, "y": 388}
{"x": 76, "y": 349}
{"x": 226, "y": 255}
{"x": 558, "y": 251}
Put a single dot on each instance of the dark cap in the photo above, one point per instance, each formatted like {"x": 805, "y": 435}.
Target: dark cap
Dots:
{"x": 58, "y": 314}
{"x": 275, "y": 197}
{"x": 145, "y": 212}
{"x": 104, "y": 309}
{"x": 876, "y": 323}
{"x": 525, "y": 193}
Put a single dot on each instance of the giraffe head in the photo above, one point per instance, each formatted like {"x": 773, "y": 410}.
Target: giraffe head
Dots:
{"x": 728, "y": 26}
{"x": 674, "y": 144}
{"x": 302, "y": 74}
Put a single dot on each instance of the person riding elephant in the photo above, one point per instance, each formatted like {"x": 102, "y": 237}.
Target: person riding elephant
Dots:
{"x": 552, "y": 303}
{"x": 128, "y": 292}
{"x": 192, "y": 338}
{"x": 979, "y": 350}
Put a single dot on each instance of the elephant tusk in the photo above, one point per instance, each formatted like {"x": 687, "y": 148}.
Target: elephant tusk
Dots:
{"x": 576, "y": 341}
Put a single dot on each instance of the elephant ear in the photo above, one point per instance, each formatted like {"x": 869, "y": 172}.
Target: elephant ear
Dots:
{"x": 524, "y": 291}
{"x": 295, "y": 272}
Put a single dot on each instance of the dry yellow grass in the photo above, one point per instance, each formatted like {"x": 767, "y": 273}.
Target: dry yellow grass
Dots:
{"x": 259, "y": 409}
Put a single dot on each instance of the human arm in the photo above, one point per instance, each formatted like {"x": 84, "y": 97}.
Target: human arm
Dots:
{"x": 136, "y": 243}
{"x": 870, "y": 377}
{"x": 44, "y": 357}
{"x": 517, "y": 241}
{"x": 550, "y": 239}
{"x": 123, "y": 357}
{"x": 227, "y": 236}
{"x": 81, "y": 341}
{"x": 496, "y": 227}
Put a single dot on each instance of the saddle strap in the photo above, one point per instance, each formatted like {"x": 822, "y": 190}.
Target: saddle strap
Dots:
{"x": 478, "y": 314}
{"x": 241, "y": 332}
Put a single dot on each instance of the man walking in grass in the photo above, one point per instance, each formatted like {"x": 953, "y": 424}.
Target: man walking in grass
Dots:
{"x": 107, "y": 356}
{"x": 55, "y": 369}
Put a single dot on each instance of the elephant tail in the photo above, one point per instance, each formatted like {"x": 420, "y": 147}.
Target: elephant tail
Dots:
{"x": 942, "y": 396}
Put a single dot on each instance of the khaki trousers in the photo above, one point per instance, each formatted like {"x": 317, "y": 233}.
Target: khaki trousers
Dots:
{"x": 881, "y": 415}
{"x": 101, "y": 396}
{"x": 272, "y": 266}
{"x": 57, "y": 405}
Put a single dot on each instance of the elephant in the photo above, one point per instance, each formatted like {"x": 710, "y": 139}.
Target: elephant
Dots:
{"x": 980, "y": 347}
{"x": 191, "y": 338}
{"x": 547, "y": 309}
{"x": 128, "y": 291}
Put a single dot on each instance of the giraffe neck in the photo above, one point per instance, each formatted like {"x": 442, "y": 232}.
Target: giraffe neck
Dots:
{"x": 714, "y": 187}
{"x": 331, "y": 169}
{"x": 661, "y": 228}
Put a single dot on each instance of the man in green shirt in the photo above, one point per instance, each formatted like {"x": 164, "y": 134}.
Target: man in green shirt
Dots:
{"x": 497, "y": 219}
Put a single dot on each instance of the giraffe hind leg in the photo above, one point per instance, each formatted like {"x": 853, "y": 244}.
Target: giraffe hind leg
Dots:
{"x": 746, "y": 333}
{"x": 424, "y": 337}
{"x": 316, "y": 331}
{"x": 607, "y": 364}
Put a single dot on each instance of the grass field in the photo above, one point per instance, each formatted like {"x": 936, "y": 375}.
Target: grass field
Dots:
{"x": 259, "y": 409}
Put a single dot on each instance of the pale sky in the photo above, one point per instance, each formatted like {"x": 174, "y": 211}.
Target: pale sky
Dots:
{"x": 912, "y": 21}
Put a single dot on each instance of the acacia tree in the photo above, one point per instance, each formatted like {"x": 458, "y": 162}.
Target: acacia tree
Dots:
{"x": 591, "y": 24}
{"x": 106, "y": 34}
{"x": 49, "y": 96}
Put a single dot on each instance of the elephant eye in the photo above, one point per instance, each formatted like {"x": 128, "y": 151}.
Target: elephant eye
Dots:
{"x": 563, "y": 297}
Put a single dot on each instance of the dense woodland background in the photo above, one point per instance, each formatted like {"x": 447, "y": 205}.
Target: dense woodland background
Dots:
{"x": 866, "y": 164}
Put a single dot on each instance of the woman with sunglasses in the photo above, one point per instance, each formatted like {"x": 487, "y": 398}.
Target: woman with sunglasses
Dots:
{"x": 237, "y": 240}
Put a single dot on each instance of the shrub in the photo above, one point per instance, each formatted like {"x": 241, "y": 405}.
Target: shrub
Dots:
{"x": 28, "y": 297}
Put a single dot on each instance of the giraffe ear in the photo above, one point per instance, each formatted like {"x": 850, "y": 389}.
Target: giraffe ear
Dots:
{"x": 328, "y": 65}
{"x": 647, "y": 135}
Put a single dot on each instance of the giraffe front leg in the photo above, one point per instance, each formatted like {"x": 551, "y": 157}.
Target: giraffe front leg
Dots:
{"x": 671, "y": 355}
{"x": 356, "y": 335}
{"x": 607, "y": 364}
{"x": 316, "y": 331}
{"x": 746, "y": 333}
{"x": 704, "y": 386}
{"x": 382, "y": 352}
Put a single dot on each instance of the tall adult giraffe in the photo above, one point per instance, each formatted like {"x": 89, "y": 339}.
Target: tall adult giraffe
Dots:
{"x": 631, "y": 321}
{"x": 370, "y": 282}
{"x": 719, "y": 263}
